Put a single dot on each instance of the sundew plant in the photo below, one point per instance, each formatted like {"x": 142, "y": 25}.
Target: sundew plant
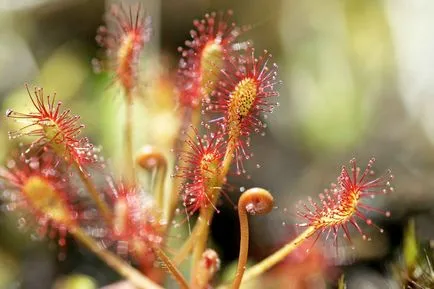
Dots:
{"x": 224, "y": 90}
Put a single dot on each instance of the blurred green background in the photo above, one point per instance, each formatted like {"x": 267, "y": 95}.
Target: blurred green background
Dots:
{"x": 358, "y": 80}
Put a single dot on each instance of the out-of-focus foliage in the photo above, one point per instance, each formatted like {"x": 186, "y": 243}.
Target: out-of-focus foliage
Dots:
{"x": 341, "y": 283}
{"x": 411, "y": 252}
{"x": 338, "y": 58}
{"x": 78, "y": 281}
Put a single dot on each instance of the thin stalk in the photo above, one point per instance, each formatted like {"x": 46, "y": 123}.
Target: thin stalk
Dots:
{"x": 152, "y": 160}
{"x": 275, "y": 258}
{"x": 202, "y": 237}
{"x": 159, "y": 181}
{"x": 95, "y": 195}
{"x": 244, "y": 247}
{"x": 228, "y": 158}
{"x": 188, "y": 244}
{"x": 136, "y": 278}
{"x": 129, "y": 162}
{"x": 176, "y": 274}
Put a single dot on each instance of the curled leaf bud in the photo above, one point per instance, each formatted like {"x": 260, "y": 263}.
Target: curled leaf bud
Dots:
{"x": 254, "y": 201}
{"x": 150, "y": 157}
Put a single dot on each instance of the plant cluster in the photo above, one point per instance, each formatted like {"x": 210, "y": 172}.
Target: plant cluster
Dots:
{"x": 223, "y": 84}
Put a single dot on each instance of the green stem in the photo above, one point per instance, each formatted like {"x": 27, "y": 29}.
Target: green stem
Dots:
{"x": 136, "y": 278}
{"x": 159, "y": 182}
{"x": 95, "y": 195}
{"x": 172, "y": 268}
{"x": 275, "y": 258}
{"x": 188, "y": 244}
{"x": 201, "y": 237}
{"x": 129, "y": 161}
{"x": 153, "y": 161}
{"x": 244, "y": 247}
{"x": 227, "y": 160}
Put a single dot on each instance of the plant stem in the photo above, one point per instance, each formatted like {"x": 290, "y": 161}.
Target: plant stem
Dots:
{"x": 275, "y": 258}
{"x": 129, "y": 162}
{"x": 120, "y": 266}
{"x": 188, "y": 244}
{"x": 244, "y": 247}
{"x": 153, "y": 161}
{"x": 201, "y": 237}
{"x": 172, "y": 268}
{"x": 95, "y": 195}
{"x": 228, "y": 158}
{"x": 159, "y": 182}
